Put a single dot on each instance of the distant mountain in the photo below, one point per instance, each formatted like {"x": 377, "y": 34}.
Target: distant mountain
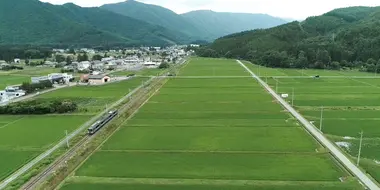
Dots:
{"x": 34, "y": 22}
{"x": 218, "y": 24}
{"x": 196, "y": 25}
{"x": 158, "y": 16}
{"x": 348, "y": 37}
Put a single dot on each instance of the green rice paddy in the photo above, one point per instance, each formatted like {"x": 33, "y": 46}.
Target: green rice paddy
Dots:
{"x": 204, "y": 130}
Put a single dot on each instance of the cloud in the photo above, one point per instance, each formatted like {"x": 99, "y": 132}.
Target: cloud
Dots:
{"x": 298, "y": 9}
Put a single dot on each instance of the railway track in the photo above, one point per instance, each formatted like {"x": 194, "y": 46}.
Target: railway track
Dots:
{"x": 41, "y": 177}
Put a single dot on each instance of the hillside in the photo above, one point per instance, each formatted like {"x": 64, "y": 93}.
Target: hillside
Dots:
{"x": 197, "y": 25}
{"x": 218, "y": 24}
{"x": 43, "y": 23}
{"x": 348, "y": 37}
{"x": 156, "y": 15}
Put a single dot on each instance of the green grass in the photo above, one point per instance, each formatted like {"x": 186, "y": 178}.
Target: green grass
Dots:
{"x": 8, "y": 80}
{"x": 244, "y": 166}
{"x": 266, "y": 71}
{"x": 213, "y": 67}
{"x": 229, "y": 129}
{"x": 211, "y": 139}
{"x": 30, "y": 132}
{"x": 143, "y": 72}
{"x": 350, "y": 106}
{"x": 11, "y": 160}
{"x": 268, "y": 186}
{"x": 95, "y": 98}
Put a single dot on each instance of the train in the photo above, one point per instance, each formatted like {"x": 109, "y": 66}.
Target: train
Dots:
{"x": 102, "y": 122}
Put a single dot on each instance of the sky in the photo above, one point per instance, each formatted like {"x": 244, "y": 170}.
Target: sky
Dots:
{"x": 294, "y": 9}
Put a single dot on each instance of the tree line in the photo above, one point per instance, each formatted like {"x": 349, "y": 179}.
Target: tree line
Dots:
{"x": 39, "y": 107}
{"x": 32, "y": 87}
{"x": 9, "y": 53}
{"x": 341, "y": 39}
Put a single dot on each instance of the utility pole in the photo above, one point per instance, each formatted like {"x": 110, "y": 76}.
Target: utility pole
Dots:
{"x": 259, "y": 70}
{"x": 293, "y": 97}
{"x": 276, "y": 86}
{"x": 321, "y": 120}
{"x": 67, "y": 140}
{"x": 360, "y": 148}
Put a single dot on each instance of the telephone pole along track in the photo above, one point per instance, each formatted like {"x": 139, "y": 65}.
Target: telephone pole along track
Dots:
{"x": 63, "y": 142}
{"x": 33, "y": 183}
{"x": 318, "y": 135}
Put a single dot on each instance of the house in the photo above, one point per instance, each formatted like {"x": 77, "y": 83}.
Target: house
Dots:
{"x": 98, "y": 79}
{"x": 17, "y": 61}
{"x": 84, "y": 65}
{"x": 4, "y": 65}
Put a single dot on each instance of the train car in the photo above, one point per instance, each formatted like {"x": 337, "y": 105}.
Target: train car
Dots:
{"x": 102, "y": 122}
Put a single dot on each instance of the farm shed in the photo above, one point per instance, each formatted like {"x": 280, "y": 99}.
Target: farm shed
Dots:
{"x": 98, "y": 79}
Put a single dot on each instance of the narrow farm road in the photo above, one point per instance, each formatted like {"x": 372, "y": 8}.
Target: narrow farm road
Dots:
{"x": 47, "y": 153}
{"x": 321, "y": 138}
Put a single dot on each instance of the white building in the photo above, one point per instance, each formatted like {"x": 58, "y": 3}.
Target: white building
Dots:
{"x": 11, "y": 93}
{"x": 151, "y": 64}
{"x": 84, "y": 65}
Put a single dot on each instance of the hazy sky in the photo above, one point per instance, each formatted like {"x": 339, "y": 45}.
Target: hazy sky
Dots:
{"x": 297, "y": 9}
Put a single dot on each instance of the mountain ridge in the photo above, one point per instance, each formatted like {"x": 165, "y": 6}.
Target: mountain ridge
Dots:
{"x": 345, "y": 37}
{"x": 195, "y": 27}
{"x": 44, "y": 23}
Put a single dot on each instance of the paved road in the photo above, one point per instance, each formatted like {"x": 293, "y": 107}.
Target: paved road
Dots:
{"x": 22, "y": 98}
{"x": 316, "y": 133}
{"x": 32, "y": 163}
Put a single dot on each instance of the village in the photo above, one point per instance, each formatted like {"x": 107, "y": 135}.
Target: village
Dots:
{"x": 89, "y": 67}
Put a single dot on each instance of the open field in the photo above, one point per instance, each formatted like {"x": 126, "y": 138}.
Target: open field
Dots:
{"x": 225, "y": 129}
{"x": 24, "y": 137}
{"x": 349, "y": 107}
{"x": 94, "y": 183}
{"x": 15, "y": 77}
{"x": 29, "y": 71}
{"x": 96, "y": 98}
{"x": 8, "y": 80}
{"x": 143, "y": 72}
{"x": 265, "y": 71}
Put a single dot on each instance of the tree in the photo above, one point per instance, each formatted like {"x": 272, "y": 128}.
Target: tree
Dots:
{"x": 371, "y": 61}
{"x": 302, "y": 61}
{"x": 97, "y": 57}
{"x": 164, "y": 65}
{"x": 69, "y": 60}
{"x": 27, "y": 61}
{"x": 82, "y": 57}
{"x": 72, "y": 51}
{"x": 59, "y": 58}
{"x": 335, "y": 65}
{"x": 323, "y": 57}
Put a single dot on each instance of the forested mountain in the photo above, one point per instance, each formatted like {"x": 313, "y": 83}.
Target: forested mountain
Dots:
{"x": 156, "y": 15}
{"x": 218, "y": 24}
{"x": 34, "y": 22}
{"x": 197, "y": 25}
{"x": 348, "y": 37}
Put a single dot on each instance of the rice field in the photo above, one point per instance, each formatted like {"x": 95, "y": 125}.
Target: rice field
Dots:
{"x": 95, "y": 98}
{"x": 350, "y": 106}
{"x": 211, "y": 133}
{"x": 22, "y": 138}
{"x": 8, "y": 80}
